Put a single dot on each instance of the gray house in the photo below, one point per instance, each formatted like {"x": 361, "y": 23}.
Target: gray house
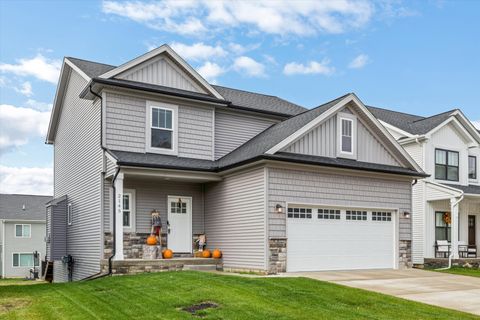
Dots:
{"x": 22, "y": 232}
{"x": 275, "y": 186}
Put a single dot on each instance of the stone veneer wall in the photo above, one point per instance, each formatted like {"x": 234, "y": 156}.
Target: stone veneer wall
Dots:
{"x": 435, "y": 263}
{"x": 405, "y": 254}
{"x": 277, "y": 260}
{"x": 132, "y": 244}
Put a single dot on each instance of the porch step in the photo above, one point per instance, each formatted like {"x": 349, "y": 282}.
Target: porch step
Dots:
{"x": 198, "y": 267}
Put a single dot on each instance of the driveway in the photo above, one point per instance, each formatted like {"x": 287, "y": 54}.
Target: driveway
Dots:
{"x": 440, "y": 289}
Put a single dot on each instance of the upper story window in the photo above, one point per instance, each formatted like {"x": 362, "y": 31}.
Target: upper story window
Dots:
{"x": 161, "y": 128}
{"x": 446, "y": 165}
{"x": 23, "y": 230}
{"x": 472, "y": 167}
{"x": 347, "y": 128}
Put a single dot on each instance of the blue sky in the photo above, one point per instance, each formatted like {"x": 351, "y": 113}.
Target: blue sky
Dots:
{"x": 418, "y": 57}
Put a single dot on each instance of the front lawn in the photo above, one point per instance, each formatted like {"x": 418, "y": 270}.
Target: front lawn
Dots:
{"x": 473, "y": 272}
{"x": 163, "y": 295}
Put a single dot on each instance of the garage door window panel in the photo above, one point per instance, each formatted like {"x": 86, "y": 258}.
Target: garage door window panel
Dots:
{"x": 300, "y": 213}
{"x": 381, "y": 216}
{"x": 356, "y": 215}
{"x": 328, "y": 214}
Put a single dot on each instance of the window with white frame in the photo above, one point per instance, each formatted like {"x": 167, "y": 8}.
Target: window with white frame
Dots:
{"x": 346, "y": 138}
{"x": 347, "y": 125}
{"x": 69, "y": 214}
{"x": 128, "y": 210}
{"x": 23, "y": 230}
{"x": 356, "y": 215}
{"x": 328, "y": 214}
{"x": 381, "y": 216}
{"x": 161, "y": 126}
{"x": 472, "y": 167}
{"x": 299, "y": 213}
{"x": 25, "y": 260}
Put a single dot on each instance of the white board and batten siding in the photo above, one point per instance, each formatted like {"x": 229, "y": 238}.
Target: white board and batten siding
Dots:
{"x": 78, "y": 167}
{"x": 234, "y": 129}
{"x": 322, "y": 141}
{"x": 126, "y": 124}
{"x": 235, "y": 219}
{"x": 161, "y": 71}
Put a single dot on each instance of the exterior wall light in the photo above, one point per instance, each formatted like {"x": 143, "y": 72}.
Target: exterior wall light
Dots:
{"x": 278, "y": 208}
{"x": 406, "y": 214}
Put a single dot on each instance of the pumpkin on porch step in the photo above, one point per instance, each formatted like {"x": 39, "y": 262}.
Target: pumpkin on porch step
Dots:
{"x": 151, "y": 240}
{"x": 206, "y": 253}
{"x": 167, "y": 254}
{"x": 217, "y": 254}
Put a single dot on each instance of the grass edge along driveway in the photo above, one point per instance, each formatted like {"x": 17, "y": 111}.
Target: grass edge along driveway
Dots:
{"x": 162, "y": 295}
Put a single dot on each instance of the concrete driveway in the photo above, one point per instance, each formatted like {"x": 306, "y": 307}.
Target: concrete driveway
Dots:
{"x": 445, "y": 290}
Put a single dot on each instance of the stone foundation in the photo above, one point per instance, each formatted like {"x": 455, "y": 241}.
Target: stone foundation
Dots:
{"x": 405, "y": 254}
{"x": 132, "y": 244}
{"x": 436, "y": 263}
{"x": 135, "y": 266}
{"x": 277, "y": 255}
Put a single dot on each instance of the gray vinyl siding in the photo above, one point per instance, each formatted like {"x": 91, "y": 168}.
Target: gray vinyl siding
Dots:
{"x": 153, "y": 195}
{"x": 60, "y": 272}
{"x": 126, "y": 122}
{"x": 57, "y": 226}
{"x": 48, "y": 232}
{"x": 322, "y": 141}
{"x": 161, "y": 71}
{"x": 107, "y": 205}
{"x": 235, "y": 219}
{"x": 234, "y": 129}
{"x": 22, "y": 245}
{"x": 78, "y": 166}
{"x": 336, "y": 189}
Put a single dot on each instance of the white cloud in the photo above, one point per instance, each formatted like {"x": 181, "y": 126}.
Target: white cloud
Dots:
{"x": 38, "y": 67}
{"x": 476, "y": 124}
{"x": 37, "y": 105}
{"x": 18, "y": 125}
{"x": 313, "y": 67}
{"x": 239, "y": 49}
{"x": 248, "y": 66}
{"x": 26, "y": 180}
{"x": 25, "y": 89}
{"x": 359, "y": 62}
{"x": 210, "y": 71}
{"x": 198, "y": 51}
{"x": 281, "y": 17}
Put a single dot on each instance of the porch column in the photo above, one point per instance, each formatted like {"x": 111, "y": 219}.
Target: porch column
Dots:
{"x": 119, "y": 217}
{"x": 454, "y": 204}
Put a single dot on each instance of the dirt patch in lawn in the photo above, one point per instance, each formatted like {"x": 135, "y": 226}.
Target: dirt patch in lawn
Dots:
{"x": 7, "y": 305}
{"x": 196, "y": 309}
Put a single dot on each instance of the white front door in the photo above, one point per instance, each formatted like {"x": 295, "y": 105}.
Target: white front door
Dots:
{"x": 180, "y": 224}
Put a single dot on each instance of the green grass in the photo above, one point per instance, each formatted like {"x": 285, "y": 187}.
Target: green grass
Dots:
{"x": 162, "y": 295}
{"x": 472, "y": 272}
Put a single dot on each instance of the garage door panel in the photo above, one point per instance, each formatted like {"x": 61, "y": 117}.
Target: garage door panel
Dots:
{"x": 316, "y": 244}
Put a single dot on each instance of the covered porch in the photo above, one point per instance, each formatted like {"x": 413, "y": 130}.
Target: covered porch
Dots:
{"x": 452, "y": 223}
{"x": 131, "y": 195}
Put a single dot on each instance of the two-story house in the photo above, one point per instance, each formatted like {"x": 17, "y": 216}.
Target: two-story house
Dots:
{"x": 446, "y": 205}
{"x": 273, "y": 185}
{"x": 22, "y": 233}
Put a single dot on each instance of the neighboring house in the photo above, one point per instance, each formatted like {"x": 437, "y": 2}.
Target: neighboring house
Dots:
{"x": 275, "y": 186}
{"x": 22, "y": 232}
{"x": 447, "y": 147}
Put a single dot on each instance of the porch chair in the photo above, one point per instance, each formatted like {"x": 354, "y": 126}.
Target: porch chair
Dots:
{"x": 466, "y": 251}
{"x": 442, "y": 249}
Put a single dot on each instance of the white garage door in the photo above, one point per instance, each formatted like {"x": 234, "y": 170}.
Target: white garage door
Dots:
{"x": 339, "y": 239}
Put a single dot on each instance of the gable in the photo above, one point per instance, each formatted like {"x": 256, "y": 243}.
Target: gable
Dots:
{"x": 161, "y": 71}
{"x": 322, "y": 140}
{"x": 449, "y": 136}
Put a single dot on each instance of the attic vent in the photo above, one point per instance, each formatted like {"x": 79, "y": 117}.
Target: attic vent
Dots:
{"x": 23, "y": 208}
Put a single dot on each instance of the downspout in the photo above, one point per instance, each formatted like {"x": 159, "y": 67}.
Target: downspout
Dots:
{"x": 450, "y": 257}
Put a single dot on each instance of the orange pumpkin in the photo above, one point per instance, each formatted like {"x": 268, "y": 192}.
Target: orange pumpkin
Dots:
{"x": 167, "y": 254}
{"x": 217, "y": 254}
{"x": 206, "y": 253}
{"x": 152, "y": 240}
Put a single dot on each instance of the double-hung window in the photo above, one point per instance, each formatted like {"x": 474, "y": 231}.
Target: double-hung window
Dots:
{"x": 23, "y": 230}
{"x": 347, "y": 125}
{"x": 346, "y": 137}
{"x": 161, "y": 128}
{"x": 25, "y": 260}
{"x": 446, "y": 165}
{"x": 442, "y": 228}
{"x": 472, "y": 167}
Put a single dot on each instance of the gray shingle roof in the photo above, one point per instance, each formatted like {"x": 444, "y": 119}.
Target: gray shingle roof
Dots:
{"x": 11, "y": 206}
{"x": 470, "y": 189}
{"x": 408, "y": 122}
{"x": 238, "y": 98}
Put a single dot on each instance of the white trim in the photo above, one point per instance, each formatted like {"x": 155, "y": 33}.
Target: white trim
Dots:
{"x": 69, "y": 214}
{"x": 3, "y": 249}
{"x": 104, "y": 118}
{"x": 354, "y": 135}
{"x": 396, "y": 129}
{"x": 19, "y": 266}
{"x": 77, "y": 69}
{"x": 148, "y": 126}
{"x": 133, "y": 210}
{"x": 23, "y": 230}
{"x": 190, "y": 224}
{"x": 213, "y": 134}
{"x": 111, "y": 158}
{"x": 458, "y": 125}
{"x": 162, "y": 49}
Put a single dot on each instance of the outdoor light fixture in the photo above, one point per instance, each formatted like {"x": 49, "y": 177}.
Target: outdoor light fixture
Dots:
{"x": 279, "y": 208}
{"x": 406, "y": 214}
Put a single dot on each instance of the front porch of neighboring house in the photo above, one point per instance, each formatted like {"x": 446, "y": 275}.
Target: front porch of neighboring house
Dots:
{"x": 452, "y": 222}
{"x": 179, "y": 197}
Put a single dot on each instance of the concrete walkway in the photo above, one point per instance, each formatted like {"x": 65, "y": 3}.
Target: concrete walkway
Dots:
{"x": 440, "y": 289}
